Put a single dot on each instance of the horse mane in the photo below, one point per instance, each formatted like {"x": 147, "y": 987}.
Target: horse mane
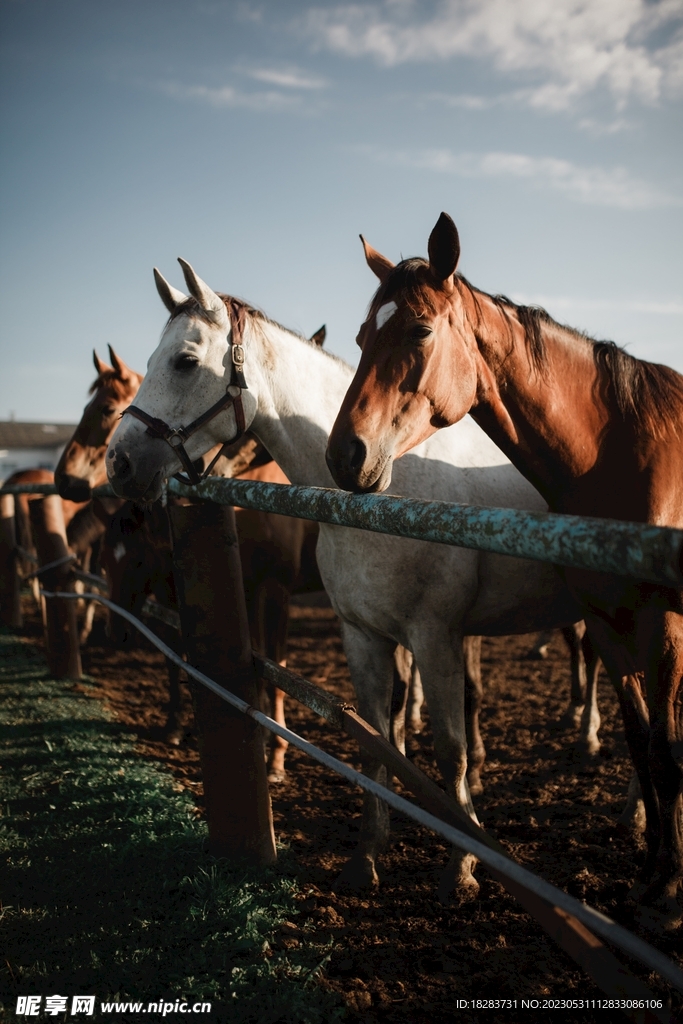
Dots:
{"x": 648, "y": 394}
{"x": 109, "y": 376}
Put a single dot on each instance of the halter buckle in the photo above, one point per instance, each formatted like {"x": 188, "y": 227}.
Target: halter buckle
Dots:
{"x": 176, "y": 438}
{"x": 238, "y": 355}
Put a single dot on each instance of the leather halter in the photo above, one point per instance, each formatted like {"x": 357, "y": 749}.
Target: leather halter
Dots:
{"x": 176, "y": 437}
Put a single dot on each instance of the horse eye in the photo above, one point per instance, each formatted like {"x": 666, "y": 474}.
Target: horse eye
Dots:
{"x": 420, "y": 332}
{"x": 108, "y": 410}
{"x": 186, "y": 362}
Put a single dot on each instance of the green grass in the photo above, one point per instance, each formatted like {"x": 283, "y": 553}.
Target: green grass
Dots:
{"x": 107, "y": 888}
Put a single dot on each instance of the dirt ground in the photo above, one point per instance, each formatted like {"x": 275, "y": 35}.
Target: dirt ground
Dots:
{"x": 399, "y": 956}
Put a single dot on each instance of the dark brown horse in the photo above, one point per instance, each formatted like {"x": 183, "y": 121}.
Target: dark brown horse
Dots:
{"x": 598, "y": 433}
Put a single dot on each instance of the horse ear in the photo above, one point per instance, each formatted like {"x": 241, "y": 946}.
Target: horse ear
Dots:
{"x": 443, "y": 248}
{"x": 122, "y": 371}
{"x": 319, "y": 337}
{"x": 99, "y": 365}
{"x": 205, "y": 296}
{"x": 170, "y": 296}
{"x": 379, "y": 265}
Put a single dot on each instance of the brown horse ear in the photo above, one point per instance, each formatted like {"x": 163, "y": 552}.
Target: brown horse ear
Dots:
{"x": 443, "y": 248}
{"x": 319, "y": 337}
{"x": 99, "y": 365}
{"x": 379, "y": 265}
{"x": 122, "y": 371}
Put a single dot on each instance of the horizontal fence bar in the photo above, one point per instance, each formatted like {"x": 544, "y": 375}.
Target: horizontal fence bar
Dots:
{"x": 650, "y": 553}
{"x": 498, "y": 862}
{"x": 653, "y": 554}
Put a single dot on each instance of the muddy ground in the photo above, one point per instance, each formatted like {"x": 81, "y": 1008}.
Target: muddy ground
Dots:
{"x": 399, "y": 956}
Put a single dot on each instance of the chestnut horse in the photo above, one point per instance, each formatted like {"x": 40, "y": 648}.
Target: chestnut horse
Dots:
{"x": 81, "y": 466}
{"x": 597, "y": 432}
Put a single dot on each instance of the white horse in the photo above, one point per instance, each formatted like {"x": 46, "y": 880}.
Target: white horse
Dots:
{"x": 386, "y": 590}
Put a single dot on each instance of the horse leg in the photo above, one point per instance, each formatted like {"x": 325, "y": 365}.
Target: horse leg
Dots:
{"x": 539, "y": 652}
{"x": 276, "y": 624}
{"x": 403, "y": 670}
{"x": 88, "y": 620}
{"x": 660, "y": 909}
{"x": 416, "y": 699}
{"x": 172, "y": 729}
{"x": 443, "y": 676}
{"x": 577, "y": 695}
{"x": 474, "y": 696}
{"x": 371, "y": 663}
{"x": 636, "y": 720}
{"x": 588, "y": 743}
{"x": 632, "y": 818}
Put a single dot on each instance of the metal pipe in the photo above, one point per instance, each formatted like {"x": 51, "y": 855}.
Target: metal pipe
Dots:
{"x": 640, "y": 551}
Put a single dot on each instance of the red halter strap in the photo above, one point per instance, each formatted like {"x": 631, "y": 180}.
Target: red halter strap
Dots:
{"x": 176, "y": 437}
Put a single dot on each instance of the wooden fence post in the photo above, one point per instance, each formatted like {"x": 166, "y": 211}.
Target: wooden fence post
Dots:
{"x": 61, "y": 617}
{"x": 215, "y": 629}
{"x": 10, "y": 587}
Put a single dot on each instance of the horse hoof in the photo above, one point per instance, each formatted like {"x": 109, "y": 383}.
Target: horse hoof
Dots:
{"x": 466, "y": 888}
{"x": 586, "y": 754}
{"x": 276, "y": 776}
{"x": 357, "y": 873}
{"x": 632, "y": 818}
{"x": 570, "y": 719}
{"x": 457, "y": 881}
{"x": 475, "y": 783}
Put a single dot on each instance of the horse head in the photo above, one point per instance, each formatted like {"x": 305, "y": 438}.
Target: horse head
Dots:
{"x": 188, "y": 373}
{"x": 403, "y": 390}
{"x": 81, "y": 466}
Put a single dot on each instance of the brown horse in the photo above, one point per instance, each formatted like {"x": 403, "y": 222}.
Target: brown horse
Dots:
{"x": 81, "y": 466}
{"x": 597, "y": 432}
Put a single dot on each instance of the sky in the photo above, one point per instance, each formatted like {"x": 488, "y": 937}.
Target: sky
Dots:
{"x": 257, "y": 139}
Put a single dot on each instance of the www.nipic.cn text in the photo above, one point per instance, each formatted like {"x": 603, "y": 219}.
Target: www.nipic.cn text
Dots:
{"x": 52, "y": 1006}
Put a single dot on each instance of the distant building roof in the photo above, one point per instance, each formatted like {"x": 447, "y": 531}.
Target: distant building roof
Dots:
{"x": 34, "y": 435}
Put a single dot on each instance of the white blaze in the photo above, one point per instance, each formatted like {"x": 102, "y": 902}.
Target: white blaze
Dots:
{"x": 385, "y": 313}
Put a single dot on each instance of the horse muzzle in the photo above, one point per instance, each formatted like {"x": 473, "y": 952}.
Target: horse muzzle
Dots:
{"x": 73, "y": 488}
{"x": 357, "y": 466}
{"x": 139, "y": 480}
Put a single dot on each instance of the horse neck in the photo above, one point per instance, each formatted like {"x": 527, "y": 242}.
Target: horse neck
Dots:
{"x": 549, "y": 418}
{"x": 300, "y": 389}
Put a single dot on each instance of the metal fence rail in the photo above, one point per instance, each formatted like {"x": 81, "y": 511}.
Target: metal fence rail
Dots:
{"x": 653, "y": 554}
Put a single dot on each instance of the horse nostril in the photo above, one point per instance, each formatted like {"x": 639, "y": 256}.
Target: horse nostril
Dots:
{"x": 122, "y": 470}
{"x": 357, "y": 453}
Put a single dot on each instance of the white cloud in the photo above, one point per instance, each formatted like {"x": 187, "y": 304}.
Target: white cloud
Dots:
{"x": 564, "y": 303}
{"x": 596, "y": 186}
{"x": 227, "y": 96}
{"x": 290, "y": 79}
{"x": 569, "y": 46}
{"x": 466, "y": 101}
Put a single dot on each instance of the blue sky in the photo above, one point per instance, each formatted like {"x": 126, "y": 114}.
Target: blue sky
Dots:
{"x": 258, "y": 139}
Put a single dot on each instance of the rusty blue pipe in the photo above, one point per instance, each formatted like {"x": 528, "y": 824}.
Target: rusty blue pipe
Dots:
{"x": 643, "y": 552}
{"x": 653, "y": 554}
